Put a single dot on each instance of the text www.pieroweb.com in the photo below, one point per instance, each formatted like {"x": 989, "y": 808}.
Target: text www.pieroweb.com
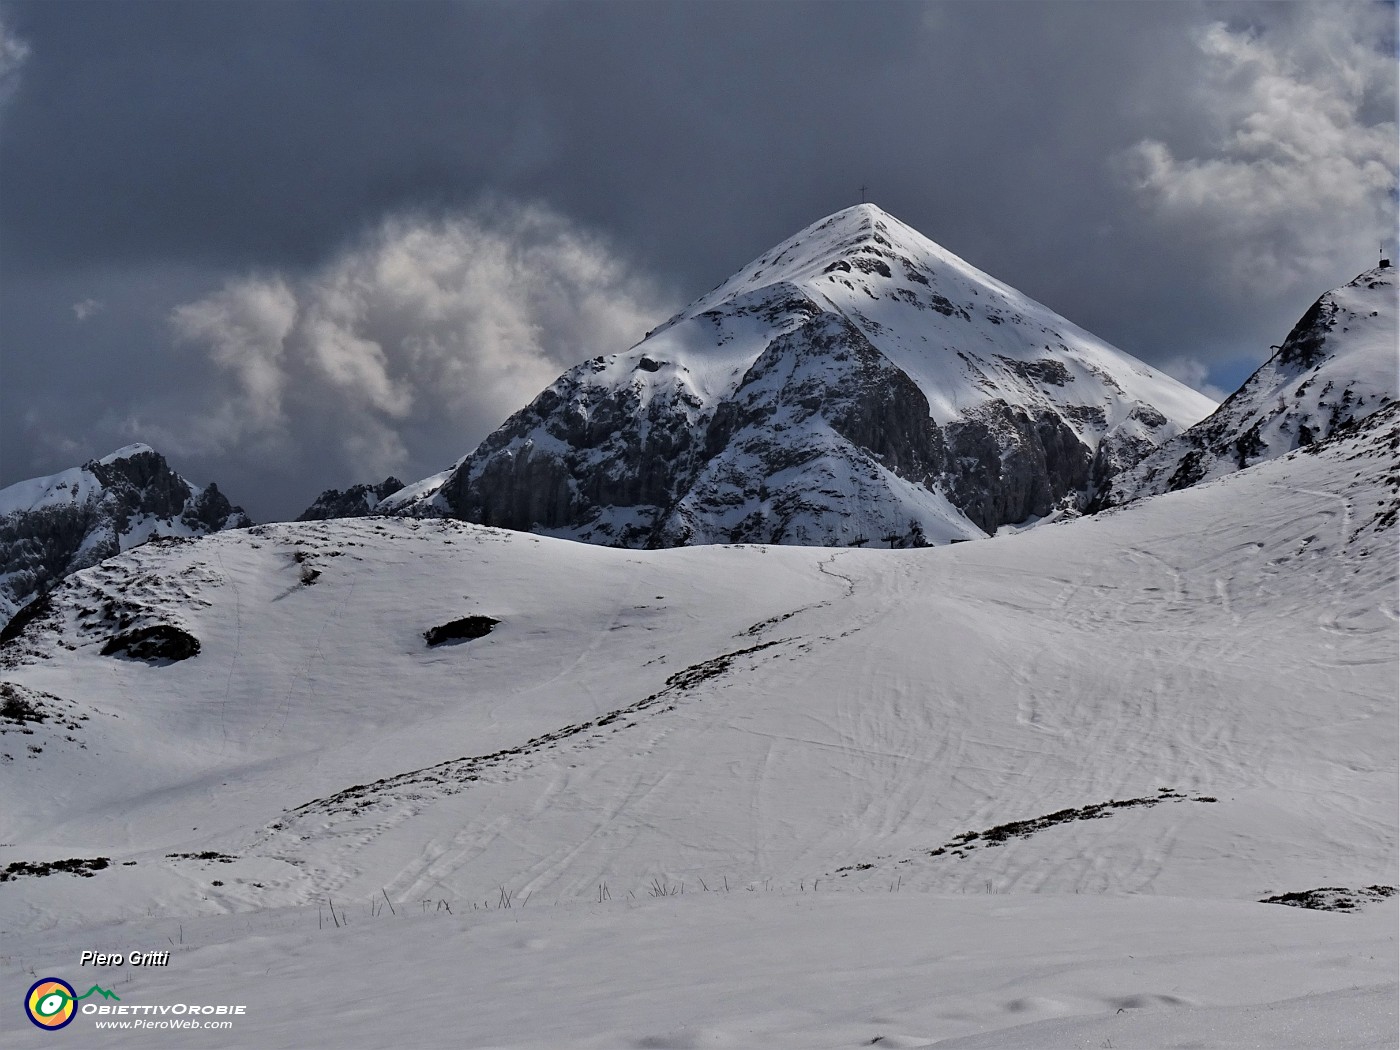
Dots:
{"x": 186, "y": 1017}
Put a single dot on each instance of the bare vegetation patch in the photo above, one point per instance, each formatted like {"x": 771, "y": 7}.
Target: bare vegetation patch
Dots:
{"x": 83, "y": 867}
{"x": 962, "y": 844}
{"x": 209, "y": 854}
{"x": 1332, "y": 898}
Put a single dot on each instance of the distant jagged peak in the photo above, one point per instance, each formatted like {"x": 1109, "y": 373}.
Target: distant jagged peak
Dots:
{"x": 357, "y": 501}
{"x": 53, "y": 526}
{"x": 135, "y": 481}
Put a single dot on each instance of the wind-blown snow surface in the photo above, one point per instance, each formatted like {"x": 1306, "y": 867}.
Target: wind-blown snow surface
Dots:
{"x": 812, "y": 728}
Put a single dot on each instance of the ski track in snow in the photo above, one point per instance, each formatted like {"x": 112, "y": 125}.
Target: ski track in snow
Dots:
{"x": 438, "y": 861}
{"x": 630, "y": 800}
{"x": 237, "y": 651}
{"x": 352, "y": 836}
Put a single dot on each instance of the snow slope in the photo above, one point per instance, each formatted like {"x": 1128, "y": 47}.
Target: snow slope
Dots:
{"x": 1102, "y": 739}
{"x": 851, "y": 383}
{"x": 753, "y": 971}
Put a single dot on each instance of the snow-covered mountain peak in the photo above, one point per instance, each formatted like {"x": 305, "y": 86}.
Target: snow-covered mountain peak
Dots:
{"x": 1337, "y": 364}
{"x": 1354, "y": 325}
{"x": 56, "y": 525}
{"x": 859, "y": 240}
{"x": 126, "y": 452}
{"x": 964, "y": 337}
{"x": 855, "y": 381}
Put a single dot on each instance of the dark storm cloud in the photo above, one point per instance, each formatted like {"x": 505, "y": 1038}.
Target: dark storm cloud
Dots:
{"x": 1181, "y": 179}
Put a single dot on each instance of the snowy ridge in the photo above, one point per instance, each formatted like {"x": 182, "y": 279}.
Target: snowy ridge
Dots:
{"x": 755, "y": 414}
{"x": 1338, "y": 364}
{"x": 55, "y": 525}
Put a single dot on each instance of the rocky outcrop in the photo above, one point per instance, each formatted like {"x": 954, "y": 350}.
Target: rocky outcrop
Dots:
{"x": 1011, "y": 466}
{"x": 579, "y": 447}
{"x": 357, "y": 501}
{"x": 38, "y": 548}
{"x": 803, "y": 450}
{"x": 157, "y": 643}
{"x": 466, "y": 629}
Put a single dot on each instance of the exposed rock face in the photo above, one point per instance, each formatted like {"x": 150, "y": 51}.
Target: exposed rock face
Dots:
{"x": 464, "y": 630}
{"x": 357, "y": 501}
{"x": 157, "y": 643}
{"x": 53, "y": 526}
{"x": 856, "y": 384}
{"x": 828, "y": 416}
{"x": 1012, "y": 466}
{"x": 1336, "y": 366}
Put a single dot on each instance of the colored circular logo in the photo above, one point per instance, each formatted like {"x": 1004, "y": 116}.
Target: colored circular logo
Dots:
{"x": 50, "y": 1004}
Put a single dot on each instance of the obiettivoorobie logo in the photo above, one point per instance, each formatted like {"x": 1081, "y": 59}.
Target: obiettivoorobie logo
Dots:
{"x": 51, "y": 1002}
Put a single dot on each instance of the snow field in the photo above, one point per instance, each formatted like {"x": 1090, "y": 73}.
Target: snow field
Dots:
{"x": 860, "y": 744}
{"x": 755, "y": 969}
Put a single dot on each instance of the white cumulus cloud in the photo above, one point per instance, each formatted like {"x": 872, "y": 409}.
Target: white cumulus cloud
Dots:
{"x": 85, "y": 309}
{"x": 14, "y": 52}
{"x": 411, "y": 344}
{"x": 244, "y": 329}
{"x": 1194, "y": 373}
{"x": 1298, "y": 183}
